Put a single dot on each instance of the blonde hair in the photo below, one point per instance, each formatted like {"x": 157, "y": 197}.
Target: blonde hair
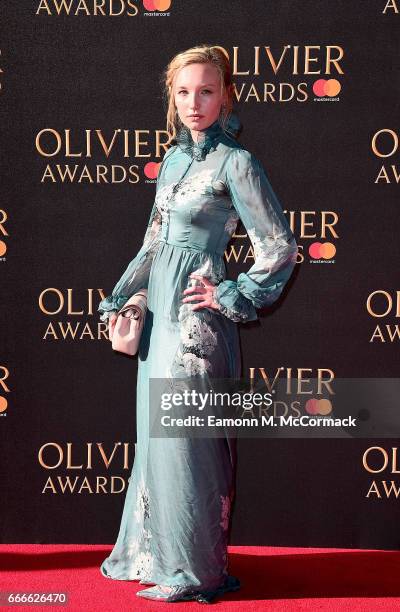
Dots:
{"x": 202, "y": 54}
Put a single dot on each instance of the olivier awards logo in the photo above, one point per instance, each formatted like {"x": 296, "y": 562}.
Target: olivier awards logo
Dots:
{"x": 385, "y": 145}
{"x": 317, "y": 228}
{"x": 88, "y": 8}
{"x": 75, "y": 469}
{"x": 315, "y": 233}
{"x": 75, "y": 157}
{"x": 383, "y": 462}
{"x": 70, "y": 314}
{"x": 385, "y": 306}
{"x": 103, "y": 8}
{"x": 306, "y": 383}
{"x": 286, "y": 74}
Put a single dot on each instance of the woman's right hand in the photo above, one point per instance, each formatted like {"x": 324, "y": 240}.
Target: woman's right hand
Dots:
{"x": 112, "y": 319}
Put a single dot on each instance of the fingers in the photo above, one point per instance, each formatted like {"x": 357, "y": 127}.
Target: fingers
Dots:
{"x": 203, "y": 279}
{"x": 199, "y": 305}
{"x": 206, "y": 302}
{"x": 191, "y": 298}
{"x": 205, "y": 294}
{"x": 197, "y": 289}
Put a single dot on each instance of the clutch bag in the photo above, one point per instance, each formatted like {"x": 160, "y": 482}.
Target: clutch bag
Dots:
{"x": 125, "y": 333}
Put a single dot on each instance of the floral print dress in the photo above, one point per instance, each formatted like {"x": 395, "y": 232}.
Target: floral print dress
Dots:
{"x": 176, "y": 518}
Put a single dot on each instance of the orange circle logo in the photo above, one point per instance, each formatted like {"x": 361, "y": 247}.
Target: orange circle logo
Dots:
{"x": 318, "y": 406}
{"x": 326, "y": 87}
{"x": 322, "y": 250}
{"x": 3, "y": 404}
{"x": 151, "y": 169}
{"x": 156, "y": 5}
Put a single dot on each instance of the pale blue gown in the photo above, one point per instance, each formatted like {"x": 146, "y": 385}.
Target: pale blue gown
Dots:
{"x": 176, "y": 518}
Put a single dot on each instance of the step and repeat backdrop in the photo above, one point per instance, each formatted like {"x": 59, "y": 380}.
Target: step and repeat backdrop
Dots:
{"x": 82, "y": 136}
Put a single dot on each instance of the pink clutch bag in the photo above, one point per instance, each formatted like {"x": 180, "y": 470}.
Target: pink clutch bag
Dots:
{"x": 126, "y": 331}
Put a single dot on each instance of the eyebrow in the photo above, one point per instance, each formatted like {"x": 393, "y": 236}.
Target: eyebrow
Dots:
{"x": 203, "y": 85}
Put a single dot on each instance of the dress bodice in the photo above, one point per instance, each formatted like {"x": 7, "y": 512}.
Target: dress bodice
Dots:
{"x": 203, "y": 189}
{"x": 199, "y": 214}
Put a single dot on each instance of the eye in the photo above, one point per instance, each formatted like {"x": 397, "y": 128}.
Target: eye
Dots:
{"x": 183, "y": 91}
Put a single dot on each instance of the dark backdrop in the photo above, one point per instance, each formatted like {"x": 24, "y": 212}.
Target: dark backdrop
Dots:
{"x": 65, "y": 240}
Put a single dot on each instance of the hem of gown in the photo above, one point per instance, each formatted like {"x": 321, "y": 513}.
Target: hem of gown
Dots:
{"x": 146, "y": 578}
{"x": 230, "y": 583}
{"x": 201, "y": 589}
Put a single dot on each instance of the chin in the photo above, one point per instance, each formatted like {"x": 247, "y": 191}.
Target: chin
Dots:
{"x": 198, "y": 121}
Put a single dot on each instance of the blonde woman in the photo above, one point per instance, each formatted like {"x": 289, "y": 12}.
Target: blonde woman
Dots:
{"x": 176, "y": 519}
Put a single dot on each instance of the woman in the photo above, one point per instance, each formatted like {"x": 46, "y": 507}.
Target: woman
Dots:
{"x": 175, "y": 523}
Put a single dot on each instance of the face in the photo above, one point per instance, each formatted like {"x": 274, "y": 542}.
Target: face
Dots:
{"x": 197, "y": 96}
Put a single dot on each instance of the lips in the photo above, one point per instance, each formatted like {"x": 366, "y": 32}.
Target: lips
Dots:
{"x": 195, "y": 116}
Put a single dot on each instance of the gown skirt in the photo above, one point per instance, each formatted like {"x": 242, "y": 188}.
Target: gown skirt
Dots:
{"x": 176, "y": 518}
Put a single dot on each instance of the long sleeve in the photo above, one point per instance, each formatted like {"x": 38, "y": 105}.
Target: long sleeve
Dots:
{"x": 274, "y": 246}
{"x": 136, "y": 275}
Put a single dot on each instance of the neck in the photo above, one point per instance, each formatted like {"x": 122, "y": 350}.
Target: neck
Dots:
{"x": 197, "y": 135}
{"x": 198, "y": 143}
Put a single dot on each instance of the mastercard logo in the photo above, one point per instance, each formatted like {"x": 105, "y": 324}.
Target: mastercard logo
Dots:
{"x": 318, "y": 406}
{"x": 151, "y": 169}
{"x": 3, "y": 404}
{"x": 156, "y": 5}
{"x": 3, "y": 247}
{"x": 326, "y": 87}
{"x": 322, "y": 250}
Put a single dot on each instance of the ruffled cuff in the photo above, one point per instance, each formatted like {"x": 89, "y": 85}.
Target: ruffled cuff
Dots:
{"x": 109, "y": 305}
{"x": 233, "y": 304}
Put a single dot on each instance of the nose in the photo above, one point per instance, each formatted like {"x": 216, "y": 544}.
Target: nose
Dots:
{"x": 194, "y": 102}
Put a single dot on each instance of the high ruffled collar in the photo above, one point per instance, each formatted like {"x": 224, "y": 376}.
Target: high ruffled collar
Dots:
{"x": 208, "y": 137}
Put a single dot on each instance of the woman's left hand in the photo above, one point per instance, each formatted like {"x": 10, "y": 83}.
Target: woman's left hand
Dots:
{"x": 206, "y": 294}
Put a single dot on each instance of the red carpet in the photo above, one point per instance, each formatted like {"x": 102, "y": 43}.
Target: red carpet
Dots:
{"x": 272, "y": 579}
